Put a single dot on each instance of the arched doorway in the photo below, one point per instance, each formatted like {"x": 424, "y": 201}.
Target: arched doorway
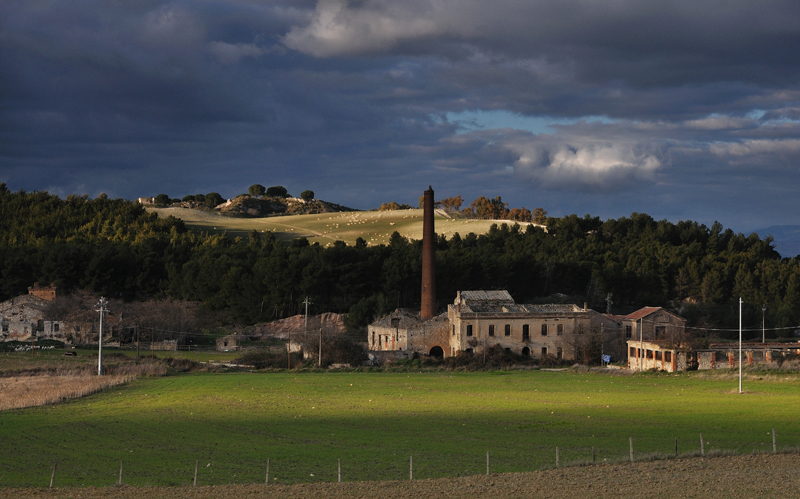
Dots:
{"x": 437, "y": 352}
{"x": 526, "y": 352}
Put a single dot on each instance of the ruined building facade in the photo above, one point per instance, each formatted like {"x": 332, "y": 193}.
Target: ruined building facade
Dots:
{"x": 478, "y": 321}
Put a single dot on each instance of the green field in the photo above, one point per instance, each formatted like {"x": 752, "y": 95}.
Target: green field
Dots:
{"x": 374, "y": 421}
{"x": 326, "y": 228}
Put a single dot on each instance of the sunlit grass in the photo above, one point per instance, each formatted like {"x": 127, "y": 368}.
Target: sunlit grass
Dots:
{"x": 375, "y": 227}
{"x": 304, "y": 422}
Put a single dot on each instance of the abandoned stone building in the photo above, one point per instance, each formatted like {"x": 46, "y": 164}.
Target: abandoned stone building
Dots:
{"x": 664, "y": 355}
{"x": 481, "y": 320}
{"x": 23, "y": 317}
{"x": 661, "y": 355}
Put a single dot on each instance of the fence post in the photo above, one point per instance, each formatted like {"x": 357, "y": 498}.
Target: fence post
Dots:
{"x": 340, "y": 470}
{"x": 702, "y": 446}
{"x": 267, "y": 481}
{"x": 630, "y": 441}
{"x": 120, "y": 472}
{"x": 774, "y": 448}
{"x": 487, "y": 462}
{"x": 593, "y": 457}
{"x": 196, "y": 463}
{"x": 676, "y": 447}
{"x": 53, "y": 476}
{"x": 556, "y": 457}
{"x": 410, "y": 467}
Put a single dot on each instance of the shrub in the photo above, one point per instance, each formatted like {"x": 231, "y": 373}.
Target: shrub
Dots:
{"x": 308, "y": 195}
{"x": 256, "y": 190}
{"x": 277, "y": 191}
{"x": 213, "y": 199}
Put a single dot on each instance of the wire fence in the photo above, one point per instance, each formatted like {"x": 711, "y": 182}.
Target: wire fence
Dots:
{"x": 291, "y": 469}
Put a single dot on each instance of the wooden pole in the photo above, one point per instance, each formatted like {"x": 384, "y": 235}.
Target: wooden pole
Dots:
{"x": 267, "y": 480}
{"x": 340, "y": 470}
{"x": 630, "y": 441}
{"x": 120, "y": 472}
{"x": 410, "y": 467}
{"x": 702, "y": 446}
{"x": 774, "y": 448}
{"x": 53, "y": 476}
{"x": 196, "y": 463}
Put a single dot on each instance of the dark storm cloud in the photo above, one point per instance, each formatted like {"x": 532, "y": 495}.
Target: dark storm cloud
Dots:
{"x": 693, "y": 105}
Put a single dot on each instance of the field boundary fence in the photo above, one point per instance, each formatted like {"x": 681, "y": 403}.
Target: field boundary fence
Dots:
{"x": 639, "y": 449}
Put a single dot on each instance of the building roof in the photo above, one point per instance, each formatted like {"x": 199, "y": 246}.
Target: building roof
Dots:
{"x": 642, "y": 312}
{"x": 482, "y": 295}
{"x": 407, "y": 319}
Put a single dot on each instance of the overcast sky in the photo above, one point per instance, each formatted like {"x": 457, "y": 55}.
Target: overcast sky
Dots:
{"x": 679, "y": 109}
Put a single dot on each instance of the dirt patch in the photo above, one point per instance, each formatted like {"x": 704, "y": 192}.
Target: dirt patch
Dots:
{"x": 737, "y": 477}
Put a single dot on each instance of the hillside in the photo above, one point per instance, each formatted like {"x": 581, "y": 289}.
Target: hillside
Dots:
{"x": 375, "y": 227}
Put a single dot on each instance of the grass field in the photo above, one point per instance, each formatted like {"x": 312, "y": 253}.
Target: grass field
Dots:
{"x": 373, "y": 422}
{"x": 374, "y": 226}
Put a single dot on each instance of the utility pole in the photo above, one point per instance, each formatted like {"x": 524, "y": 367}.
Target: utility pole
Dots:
{"x": 305, "y": 326}
{"x": 740, "y": 344}
{"x": 320, "y": 346}
{"x": 763, "y": 324}
{"x": 102, "y": 304}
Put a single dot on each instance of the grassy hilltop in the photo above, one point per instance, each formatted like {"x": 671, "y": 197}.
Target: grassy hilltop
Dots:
{"x": 375, "y": 227}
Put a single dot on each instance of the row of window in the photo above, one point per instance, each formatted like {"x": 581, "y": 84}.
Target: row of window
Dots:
{"x": 507, "y": 330}
{"x": 637, "y": 352}
{"x": 39, "y": 326}
{"x": 660, "y": 331}
{"x": 527, "y": 352}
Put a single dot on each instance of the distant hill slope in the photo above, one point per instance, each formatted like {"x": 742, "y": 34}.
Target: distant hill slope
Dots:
{"x": 375, "y": 227}
{"x": 787, "y": 239}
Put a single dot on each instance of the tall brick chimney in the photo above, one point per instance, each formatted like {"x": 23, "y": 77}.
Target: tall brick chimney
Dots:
{"x": 428, "y": 308}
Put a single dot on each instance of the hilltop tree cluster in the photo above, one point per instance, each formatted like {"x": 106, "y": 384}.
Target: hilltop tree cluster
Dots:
{"x": 116, "y": 248}
{"x": 483, "y": 208}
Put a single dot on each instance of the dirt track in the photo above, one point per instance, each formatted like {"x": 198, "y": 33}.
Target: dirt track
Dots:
{"x": 760, "y": 476}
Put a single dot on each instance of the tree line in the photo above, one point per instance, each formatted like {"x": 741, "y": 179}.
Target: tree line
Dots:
{"x": 116, "y": 248}
{"x": 482, "y": 207}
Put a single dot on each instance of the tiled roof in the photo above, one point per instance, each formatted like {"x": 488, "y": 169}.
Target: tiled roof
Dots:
{"x": 492, "y": 295}
{"x": 642, "y": 312}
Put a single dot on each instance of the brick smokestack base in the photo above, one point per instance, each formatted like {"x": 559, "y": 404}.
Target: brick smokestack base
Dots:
{"x": 428, "y": 308}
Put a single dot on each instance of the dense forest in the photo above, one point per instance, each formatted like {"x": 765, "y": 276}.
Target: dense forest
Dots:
{"x": 116, "y": 248}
